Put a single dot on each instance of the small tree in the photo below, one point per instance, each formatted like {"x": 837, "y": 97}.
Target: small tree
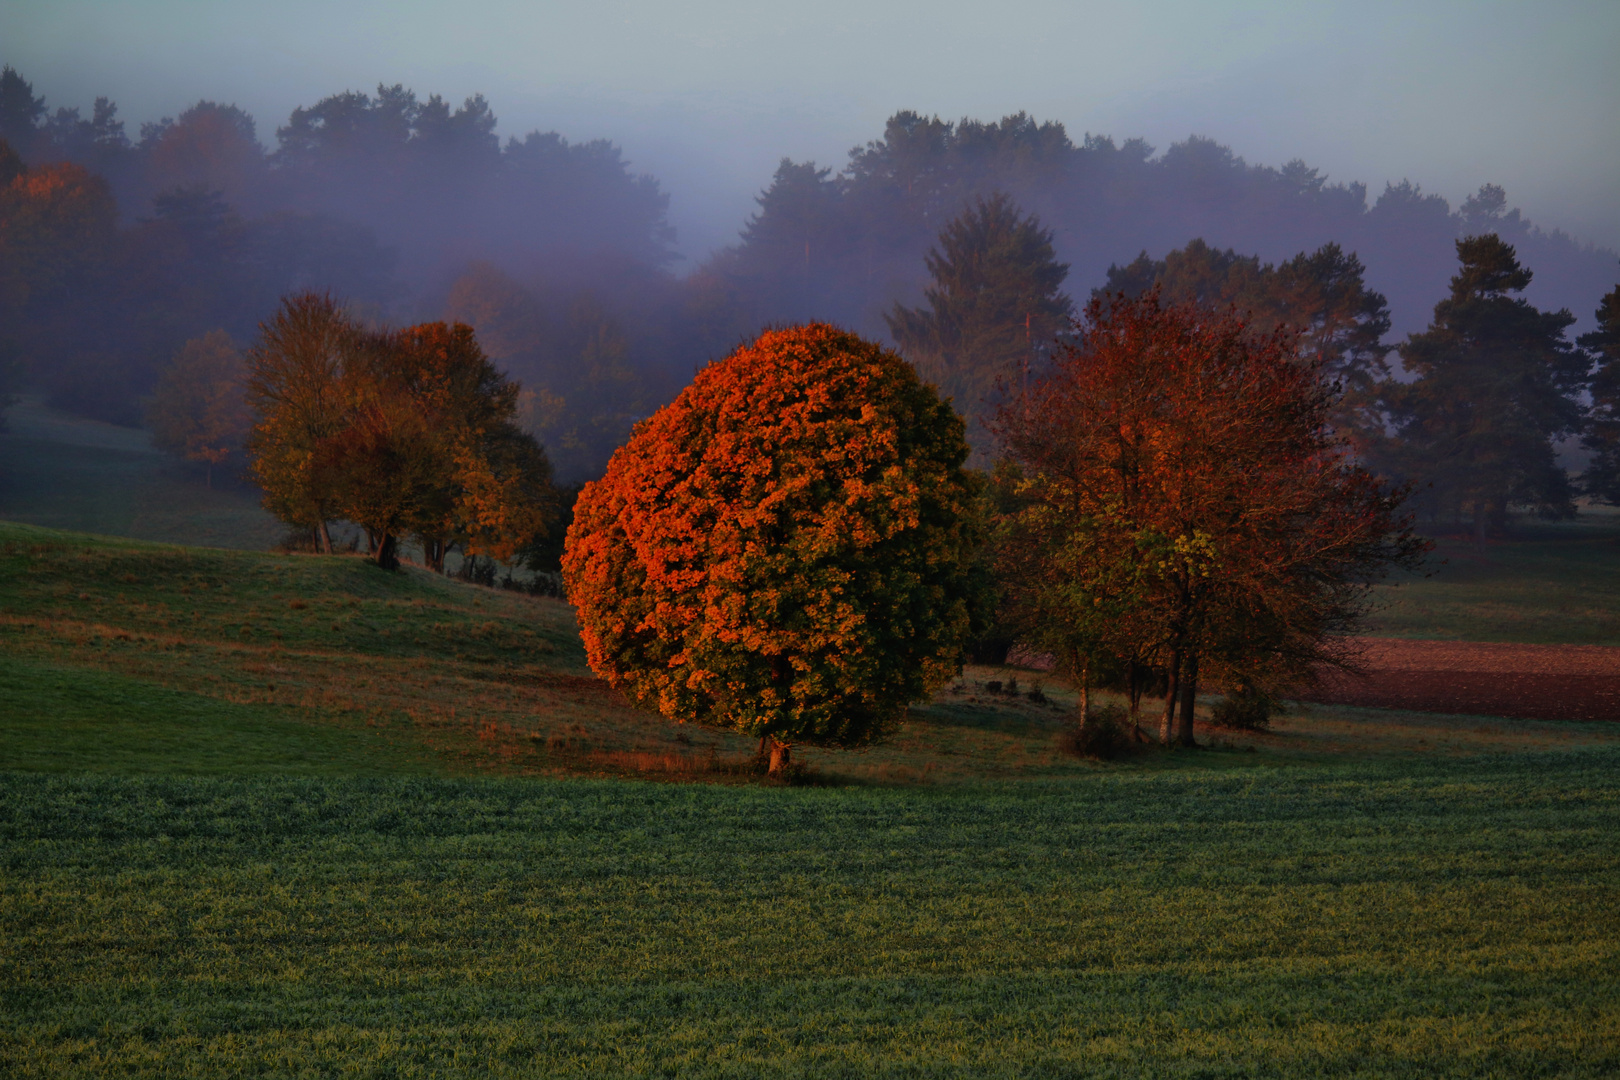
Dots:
{"x": 784, "y": 551}
{"x": 1185, "y": 503}
{"x": 199, "y": 410}
{"x": 296, "y": 390}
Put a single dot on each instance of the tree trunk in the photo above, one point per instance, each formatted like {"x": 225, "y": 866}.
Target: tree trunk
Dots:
{"x": 1133, "y": 693}
{"x": 1480, "y": 523}
{"x": 433, "y": 554}
{"x": 1085, "y": 691}
{"x": 1189, "y": 699}
{"x": 326, "y": 538}
{"x": 387, "y": 552}
{"x": 781, "y": 757}
{"x": 1169, "y": 715}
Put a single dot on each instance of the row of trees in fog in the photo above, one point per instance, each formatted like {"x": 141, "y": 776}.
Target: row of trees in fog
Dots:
{"x": 122, "y": 258}
{"x": 116, "y": 251}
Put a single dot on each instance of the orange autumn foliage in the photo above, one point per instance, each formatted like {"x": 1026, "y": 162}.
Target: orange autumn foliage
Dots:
{"x": 784, "y": 550}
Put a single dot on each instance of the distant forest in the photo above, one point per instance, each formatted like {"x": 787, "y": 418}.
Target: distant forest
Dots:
{"x": 115, "y": 251}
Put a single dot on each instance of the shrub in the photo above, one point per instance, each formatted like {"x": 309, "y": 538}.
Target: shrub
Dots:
{"x": 1246, "y": 708}
{"x": 783, "y": 551}
{"x": 1103, "y": 736}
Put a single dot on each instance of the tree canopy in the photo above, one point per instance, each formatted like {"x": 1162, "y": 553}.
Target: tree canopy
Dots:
{"x": 406, "y": 433}
{"x": 994, "y": 307}
{"x": 1496, "y": 383}
{"x": 784, "y": 550}
{"x": 1181, "y": 503}
{"x": 1323, "y": 295}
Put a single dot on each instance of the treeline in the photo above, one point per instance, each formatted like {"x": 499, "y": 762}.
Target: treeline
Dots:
{"x": 116, "y": 250}
{"x": 1473, "y": 424}
{"x": 847, "y": 245}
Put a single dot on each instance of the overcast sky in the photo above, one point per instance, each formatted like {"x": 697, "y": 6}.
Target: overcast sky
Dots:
{"x": 709, "y": 95}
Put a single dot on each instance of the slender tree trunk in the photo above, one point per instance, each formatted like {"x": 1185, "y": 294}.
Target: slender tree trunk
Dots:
{"x": 1133, "y": 695}
{"x": 387, "y": 552}
{"x": 1480, "y": 522}
{"x": 326, "y": 538}
{"x": 1189, "y": 698}
{"x": 210, "y": 476}
{"x": 1085, "y": 691}
{"x": 1169, "y": 714}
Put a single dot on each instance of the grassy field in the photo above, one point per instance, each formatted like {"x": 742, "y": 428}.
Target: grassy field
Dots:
{"x": 1437, "y": 918}
{"x": 1555, "y": 583}
{"x": 286, "y": 815}
{"x": 67, "y": 472}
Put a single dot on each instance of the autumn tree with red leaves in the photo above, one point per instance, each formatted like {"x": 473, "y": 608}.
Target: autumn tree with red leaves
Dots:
{"x": 1182, "y": 502}
{"x": 785, "y": 550}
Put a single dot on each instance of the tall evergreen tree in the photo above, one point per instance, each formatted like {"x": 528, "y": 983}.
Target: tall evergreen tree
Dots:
{"x": 1496, "y": 384}
{"x": 21, "y": 113}
{"x": 1602, "y": 477}
{"x": 993, "y": 310}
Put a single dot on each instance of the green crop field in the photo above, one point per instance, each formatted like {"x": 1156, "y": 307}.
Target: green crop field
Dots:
{"x": 1437, "y": 917}
{"x": 283, "y": 815}
{"x": 1555, "y": 583}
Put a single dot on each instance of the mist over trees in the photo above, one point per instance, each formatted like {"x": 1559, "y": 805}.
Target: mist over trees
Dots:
{"x": 116, "y": 249}
{"x": 846, "y": 246}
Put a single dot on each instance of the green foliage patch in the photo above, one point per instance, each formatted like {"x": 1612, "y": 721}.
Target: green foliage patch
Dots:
{"x": 1432, "y": 918}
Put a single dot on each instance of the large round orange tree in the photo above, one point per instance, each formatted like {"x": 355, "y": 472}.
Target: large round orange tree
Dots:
{"x": 785, "y": 550}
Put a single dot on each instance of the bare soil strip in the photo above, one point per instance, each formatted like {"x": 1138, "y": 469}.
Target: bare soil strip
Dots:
{"x": 1537, "y": 682}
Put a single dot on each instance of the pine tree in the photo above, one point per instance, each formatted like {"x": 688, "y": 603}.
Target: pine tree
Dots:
{"x": 1602, "y": 477}
{"x": 1496, "y": 384}
{"x": 994, "y": 308}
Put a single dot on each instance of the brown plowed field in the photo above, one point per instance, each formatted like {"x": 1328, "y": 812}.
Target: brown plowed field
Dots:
{"x": 1536, "y": 682}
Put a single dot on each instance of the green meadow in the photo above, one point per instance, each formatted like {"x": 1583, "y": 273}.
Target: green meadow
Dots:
{"x": 285, "y": 815}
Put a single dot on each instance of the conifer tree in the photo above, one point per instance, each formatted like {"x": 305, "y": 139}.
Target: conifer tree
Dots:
{"x": 1496, "y": 384}
{"x": 994, "y": 308}
{"x": 1602, "y": 477}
